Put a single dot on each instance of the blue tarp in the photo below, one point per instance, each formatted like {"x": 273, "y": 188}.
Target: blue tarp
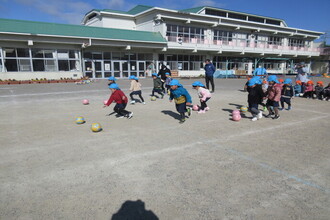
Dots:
{"x": 223, "y": 73}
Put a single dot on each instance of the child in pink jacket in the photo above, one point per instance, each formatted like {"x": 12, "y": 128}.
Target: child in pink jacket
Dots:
{"x": 203, "y": 94}
{"x": 274, "y": 95}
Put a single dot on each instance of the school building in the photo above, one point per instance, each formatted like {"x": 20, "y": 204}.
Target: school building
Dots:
{"x": 135, "y": 42}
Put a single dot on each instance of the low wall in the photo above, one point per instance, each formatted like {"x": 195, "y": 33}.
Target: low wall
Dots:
{"x": 39, "y": 75}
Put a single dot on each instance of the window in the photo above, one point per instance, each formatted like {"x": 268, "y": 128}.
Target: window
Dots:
{"x": 215, "y": 12}
{"x": 185, "y": 33}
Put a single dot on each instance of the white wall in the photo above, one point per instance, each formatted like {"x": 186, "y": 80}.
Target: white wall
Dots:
{"x": 34, "y": 75}
{"x": 119, "y": 23}
{"x": 191, "y": 73}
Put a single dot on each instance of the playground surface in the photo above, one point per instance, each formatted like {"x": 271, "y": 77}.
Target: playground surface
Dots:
{"x": 209, "y": 167}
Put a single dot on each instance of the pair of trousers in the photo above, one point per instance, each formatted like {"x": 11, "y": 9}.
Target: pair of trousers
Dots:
{"x": 209, "y": 79}
{"x": 120, "y": 109}
{"x": 139, "y": 93}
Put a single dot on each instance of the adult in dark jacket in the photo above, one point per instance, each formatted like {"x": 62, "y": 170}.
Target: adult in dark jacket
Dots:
{"x": 209, "y": 71}
{"x": 162, "y": 74}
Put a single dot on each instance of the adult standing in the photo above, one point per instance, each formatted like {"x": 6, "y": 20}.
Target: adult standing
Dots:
{"x": 162, "y": 74}
{"x": 260, "y": 71}
{"x": 209, "y": 72}
{"x": 302, "y": 76}
{"x": 150, "y": 69}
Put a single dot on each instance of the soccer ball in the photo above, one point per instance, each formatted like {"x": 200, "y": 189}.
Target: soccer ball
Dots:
{"x": 80, "y": 120}
{"x": 244, "y": 109}
{"x": 195, "y": 107}
{"x": 153, "y": 98}
{"x": 96, "y": 127}
{"x": 85, "y": 101}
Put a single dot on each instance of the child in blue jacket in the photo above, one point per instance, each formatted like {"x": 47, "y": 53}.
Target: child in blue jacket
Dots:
{"x": 181, "y": 97}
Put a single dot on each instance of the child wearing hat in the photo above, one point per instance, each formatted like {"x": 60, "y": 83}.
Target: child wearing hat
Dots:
{"x": 318, "y": 90}
{"x": 297, "y": 88}
{"x": 182, "y": 99}
{"x": 157, "y": 85}
{"x": 120, "y": 99}
{"x": 309, "y": 90}
{"x": 135, "y": 89}
{"x": 167, "y": 82}
{"x": 287, "y": 94}
{"x": 326, "y": 93}
{"x": 274, "y": 96}
{"x": 255, "y": 97}
{"x": 111, "y": 80}
{"x": 203, "y": 94}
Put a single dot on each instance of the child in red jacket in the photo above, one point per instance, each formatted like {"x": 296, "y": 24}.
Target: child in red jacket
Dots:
{"x": 274, "y": 96}
{"x": 120, "y": 99}
{"x": 309, "y": 90}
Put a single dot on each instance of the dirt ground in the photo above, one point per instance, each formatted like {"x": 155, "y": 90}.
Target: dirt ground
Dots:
{"x": 151, "y": 166}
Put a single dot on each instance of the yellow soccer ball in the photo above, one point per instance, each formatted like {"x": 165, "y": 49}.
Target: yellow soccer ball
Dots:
{"x": 80, "y": 120}
{"x": 96, "y": 127}
{"x": 244, "y": 109}
{"x": 153, "y": 98}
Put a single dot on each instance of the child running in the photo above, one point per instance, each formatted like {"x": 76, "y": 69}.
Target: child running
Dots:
{"x": 167, "y": 82}
{"x": 203, "y": 94}
{"x": 255, "y": 97}
{"x": 274, "y": 96}
{"x": 157, "y": 85}
{"x": 120, "y": 99}
{"x": 135, "y": 89}
{"x": 287, "y": 94}
{"x": 111, "y": 80}
{"x": 182, "y": 99}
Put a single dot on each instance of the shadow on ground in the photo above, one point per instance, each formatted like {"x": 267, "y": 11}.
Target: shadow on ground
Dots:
{"x": 134, "y": 210}
{"x": 172, "y": 114}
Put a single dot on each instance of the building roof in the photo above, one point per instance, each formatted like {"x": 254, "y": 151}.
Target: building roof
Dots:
{"x": 54, "y": 29}
{"x": 193, "y": 10}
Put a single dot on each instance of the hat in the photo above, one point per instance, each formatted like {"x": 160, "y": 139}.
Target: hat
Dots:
{"x": 112, "y": 78}
{"x": 257, "y": 80}
{"x": 310, "y": 82}
{"x": 136, "y": 78}
{"x": 298, "y": 82}
{"x": 167, "y": 73}
{"x": 154, "y": 74}
{"x": 320, "y": 82}
{"x": 287, "y": 81}
{"x": 252, "y": 82}
{"x": 131, "y": 77}
{"x": 272, "y": 78}
{"x": 114, "y": 86}
{"x": 197, "y": 83}
{"x": 174, "y": 82}
{"x": 281, "y": 80}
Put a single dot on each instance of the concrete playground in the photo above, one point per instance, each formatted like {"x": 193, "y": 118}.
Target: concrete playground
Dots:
{"x": 150, "y": 166}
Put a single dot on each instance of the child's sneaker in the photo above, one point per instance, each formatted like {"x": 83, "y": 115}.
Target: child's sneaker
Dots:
{"x": 143, "y": 103}
{"x": 120, "y": 116}
{"x": 189, "y": 111}
{"x": 269, "y": 115}
{"x": 201, "y": 111}
{"x": 288, "y": 109}
{"x": 259, "y": 116}
{"x": 254, "y": 119}
{"x": 130, "y": 115}
{"x": 132, "y": 102}
{"x": 207, "y": 108}
{"x": 182, "y": 120}
{"x": 276, "y": 117}
{"x": 265, "y": 108}
{"x": 280, "y": 109}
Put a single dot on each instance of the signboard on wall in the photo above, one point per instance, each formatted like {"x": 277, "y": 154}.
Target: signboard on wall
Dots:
{"x": 107, "y": 66}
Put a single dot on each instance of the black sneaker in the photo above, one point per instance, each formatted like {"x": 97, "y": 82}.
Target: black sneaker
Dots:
{"x": 130, "y": 115}
{"x": 268, "y": 116}
{"x": 276, "y": 117}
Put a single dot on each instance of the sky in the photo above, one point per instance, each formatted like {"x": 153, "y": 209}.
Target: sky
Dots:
{"x": 303, "y": 14}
